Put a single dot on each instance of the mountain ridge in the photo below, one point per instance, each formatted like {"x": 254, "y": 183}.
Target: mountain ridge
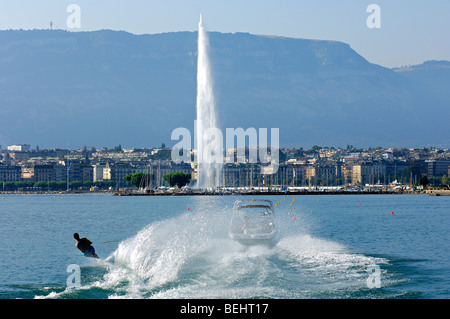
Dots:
{"x": 104, "y": 88}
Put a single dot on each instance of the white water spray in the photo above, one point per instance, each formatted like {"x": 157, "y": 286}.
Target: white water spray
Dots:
{"x": 209, "y": 168}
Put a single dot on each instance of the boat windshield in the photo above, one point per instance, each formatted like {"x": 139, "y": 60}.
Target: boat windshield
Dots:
{"x": 253, "y": 219}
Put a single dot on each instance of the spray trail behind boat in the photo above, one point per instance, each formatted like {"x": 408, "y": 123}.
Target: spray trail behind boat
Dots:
{"x": 191, "y": 256}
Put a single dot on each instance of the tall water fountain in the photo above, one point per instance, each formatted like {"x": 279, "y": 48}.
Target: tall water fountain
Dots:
{"x": 209, "y": 167}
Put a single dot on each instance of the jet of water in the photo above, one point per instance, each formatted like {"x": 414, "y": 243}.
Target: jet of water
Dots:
{"x": 209, "y": 146}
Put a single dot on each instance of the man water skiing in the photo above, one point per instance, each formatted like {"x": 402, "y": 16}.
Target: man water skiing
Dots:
{"x": 85, "y": 246}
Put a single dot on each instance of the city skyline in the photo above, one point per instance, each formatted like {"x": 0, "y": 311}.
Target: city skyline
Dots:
{"x": 297, "y": 167}
{"x": 29, "y": 147}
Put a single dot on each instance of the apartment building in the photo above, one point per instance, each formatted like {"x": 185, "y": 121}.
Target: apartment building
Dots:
{"x": 10, "y": 173}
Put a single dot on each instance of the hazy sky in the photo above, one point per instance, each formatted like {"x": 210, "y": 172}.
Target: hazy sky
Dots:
{"x": 411, "y": 32}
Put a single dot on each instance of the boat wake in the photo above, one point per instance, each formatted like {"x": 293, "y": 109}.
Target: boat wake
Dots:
{"x": 191, "y": 256}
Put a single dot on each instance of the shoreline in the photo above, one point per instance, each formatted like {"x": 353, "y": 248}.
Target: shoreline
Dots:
{"x": 264, "y": 193}
{"x": 243, "y": 193}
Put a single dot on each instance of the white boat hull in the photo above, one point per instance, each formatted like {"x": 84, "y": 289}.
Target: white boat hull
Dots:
{"x": 254, "y": 239}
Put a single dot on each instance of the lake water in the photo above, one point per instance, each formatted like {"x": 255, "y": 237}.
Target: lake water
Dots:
{"x": 178, "y": 247}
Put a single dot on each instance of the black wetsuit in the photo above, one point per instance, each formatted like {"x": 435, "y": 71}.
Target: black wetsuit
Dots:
{"x": 84, "y": 245}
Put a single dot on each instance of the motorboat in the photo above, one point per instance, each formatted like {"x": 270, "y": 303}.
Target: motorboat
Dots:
{"x": 253, "y": 222}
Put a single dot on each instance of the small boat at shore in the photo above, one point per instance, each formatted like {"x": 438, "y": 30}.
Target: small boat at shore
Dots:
{"x": 253, "y": 222}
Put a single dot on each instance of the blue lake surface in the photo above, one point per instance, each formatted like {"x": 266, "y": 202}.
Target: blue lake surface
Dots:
{"x": 178, "y": 247}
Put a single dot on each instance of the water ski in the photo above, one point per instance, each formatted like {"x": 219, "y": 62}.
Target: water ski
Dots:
{"x": 91, "y": 254}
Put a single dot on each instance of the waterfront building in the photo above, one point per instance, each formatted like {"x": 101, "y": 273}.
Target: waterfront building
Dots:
{"x": 20, "y": 156}
{"x": 116, "y": 172}
{"x": 242, "y": 175}
{"x": 255, "y": 175}
{"x": 73, "y": 168}
{"x": 86, "y": 173}
{"x": 42, "y": 173}
{"x": 368, "y": 172}
{"x": 160, "y": 169}
{"x": 10, "y": 173}
{"x": 97, "y": 172}
{"x": 437, "y": 167}
{"x": 19, "y": 147}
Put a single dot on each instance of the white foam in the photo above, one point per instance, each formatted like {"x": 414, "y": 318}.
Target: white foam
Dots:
{"x": 190, "y": 256}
